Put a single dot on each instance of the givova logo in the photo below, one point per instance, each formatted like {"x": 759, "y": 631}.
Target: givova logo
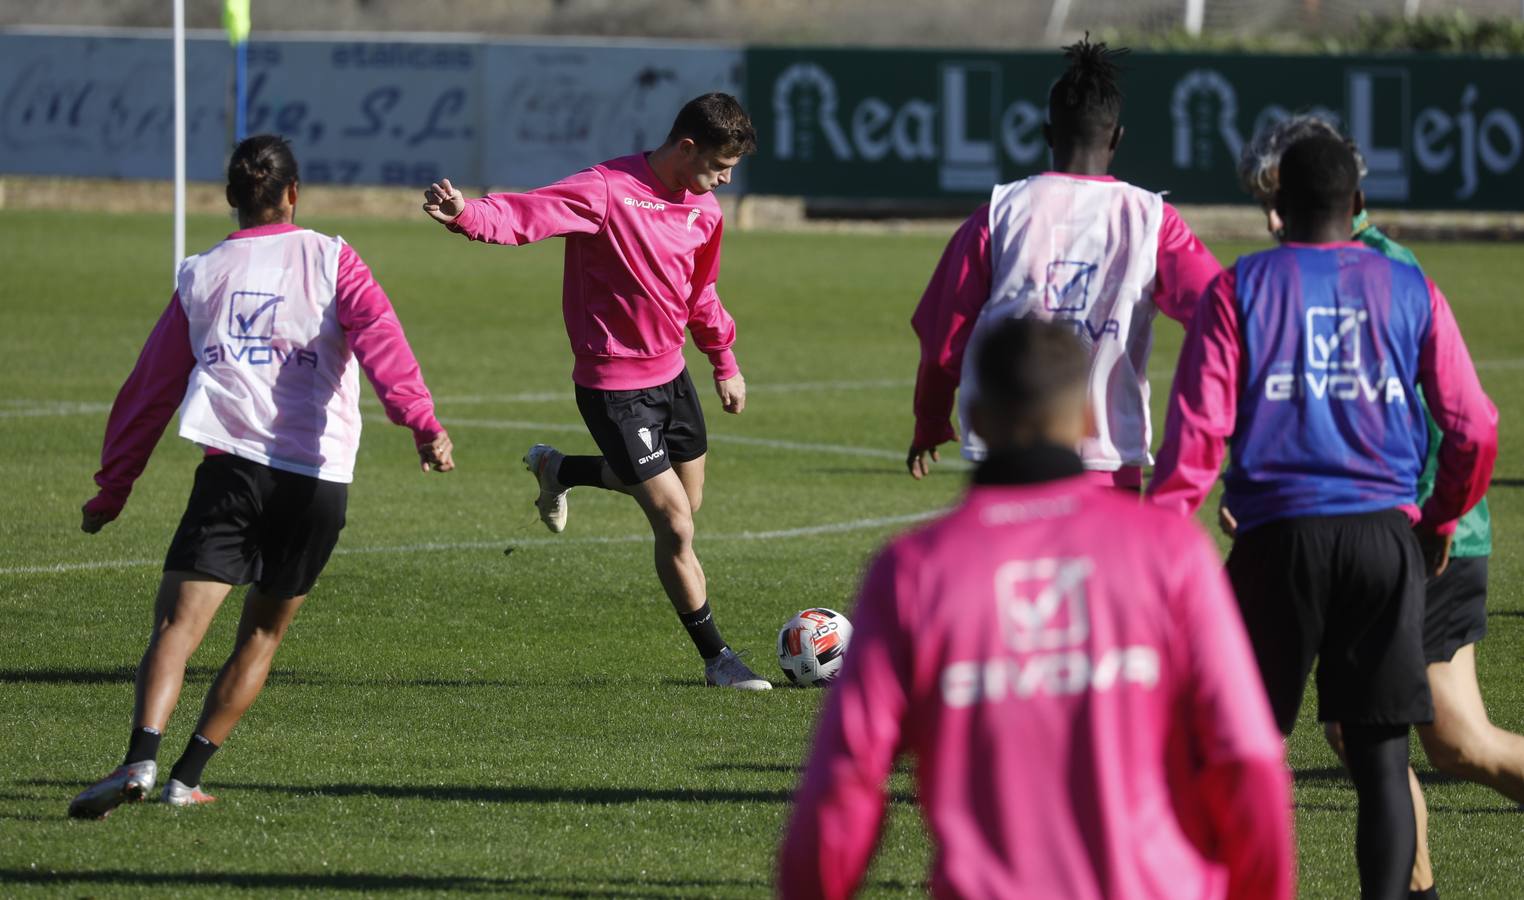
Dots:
{"x": 644, "y": 204}
{"x": 1043, "y": 610}
{"x": 1333, "y": 338}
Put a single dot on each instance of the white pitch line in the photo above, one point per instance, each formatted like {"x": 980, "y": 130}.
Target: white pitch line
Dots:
{"x": 56, "y": 409}
{"x": 774, "y": 535}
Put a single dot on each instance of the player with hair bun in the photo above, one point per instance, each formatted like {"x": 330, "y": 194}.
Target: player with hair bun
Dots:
{"x": 1073, "y": 245}
{"x": 259, "y": 349}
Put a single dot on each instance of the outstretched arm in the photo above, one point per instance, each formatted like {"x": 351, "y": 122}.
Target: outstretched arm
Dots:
{"x": 375, "y": 336}
{"x": 143, "y": 407}
{"x": 943, "y": 321}
{"x": 577, "y": 204}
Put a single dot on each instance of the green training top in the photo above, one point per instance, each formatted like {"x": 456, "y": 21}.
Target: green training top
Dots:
{"x": 1473, "y": 533}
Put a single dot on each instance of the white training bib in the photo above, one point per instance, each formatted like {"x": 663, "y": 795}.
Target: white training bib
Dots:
{"x": 275, "y": 381}
{"x": 1080, "y": 251}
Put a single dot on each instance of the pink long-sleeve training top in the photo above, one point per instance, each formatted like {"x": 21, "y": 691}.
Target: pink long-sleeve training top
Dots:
{"x": 157, "y": 385}
{"x": 641, "y": 266}
{"x": 1204, "y": 408}
{"x": 1070, "y": 673}
{"x": 960, "y": 287}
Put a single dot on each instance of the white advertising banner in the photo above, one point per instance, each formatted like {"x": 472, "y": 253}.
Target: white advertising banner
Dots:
{"x": 555, "y": 108}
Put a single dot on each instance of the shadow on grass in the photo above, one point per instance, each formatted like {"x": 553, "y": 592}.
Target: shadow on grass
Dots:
{"x": 590, "y": 796}
{"x": 375, "y": 882}
{"x": 466, "y": 793}
{"x": 291, "y": 677}
{"x": 1327, "y": 774}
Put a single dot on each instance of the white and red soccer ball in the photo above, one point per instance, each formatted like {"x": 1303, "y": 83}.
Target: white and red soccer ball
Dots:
{"x": 812, "y": 645}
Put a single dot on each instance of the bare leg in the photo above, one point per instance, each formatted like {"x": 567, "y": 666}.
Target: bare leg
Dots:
{"x": 260, "y": 631}
{"x": 183, "y": 610}
{"x": 1423, "y": 867}
{"x": 691, "y": 473}
{"x": 1462, "y": 741}
{"x": 665, "y": 503}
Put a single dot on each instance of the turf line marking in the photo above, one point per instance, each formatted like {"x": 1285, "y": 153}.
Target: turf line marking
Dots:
{"x": 56, "y": 409}
{"x": 774, "y": 535}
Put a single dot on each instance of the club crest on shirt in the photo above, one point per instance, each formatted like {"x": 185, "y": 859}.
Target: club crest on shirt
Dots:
{"x": 693, "y": 215}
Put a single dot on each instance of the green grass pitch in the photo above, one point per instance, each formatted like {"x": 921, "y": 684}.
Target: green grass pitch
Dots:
{"x": 448, "y": 716}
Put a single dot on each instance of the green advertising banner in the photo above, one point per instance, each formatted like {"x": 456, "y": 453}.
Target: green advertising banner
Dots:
{"x": 1437, "y": 132}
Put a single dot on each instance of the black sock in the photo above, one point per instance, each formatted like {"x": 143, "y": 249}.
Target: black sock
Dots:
{"x": 197, "y": 754}
{"x": 705, "y": 634}
{"x": 142, "y": 746}
{"x": 1386, "y": 834}
{"x": 585, "y": 471}
{"x": 1429, "y": 893}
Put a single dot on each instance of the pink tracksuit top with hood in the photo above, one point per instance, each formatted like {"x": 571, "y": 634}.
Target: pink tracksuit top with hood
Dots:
{"x": 1068, "y": 669}
{"x": 641, "y": 266}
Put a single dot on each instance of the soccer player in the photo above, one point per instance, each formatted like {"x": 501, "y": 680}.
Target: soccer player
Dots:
{"x": 1462, "y": 741}
{"x": 1069, "y": 672}
{"x": 642, "y": 258}
{"x": 1308, "y": 357}
{"x": 1074, "y": 245}
{"x": 259, "y": 349}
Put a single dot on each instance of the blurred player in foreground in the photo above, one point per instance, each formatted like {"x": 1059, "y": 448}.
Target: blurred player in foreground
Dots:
{"x": 1308, "y": 358}
{"x": 1461, "y": 742}
{"x": 259, "y": 349}
{"x": 1067, "y": 668}
{"x": 1073, "y": 245}
{"x": 642, "y": 259}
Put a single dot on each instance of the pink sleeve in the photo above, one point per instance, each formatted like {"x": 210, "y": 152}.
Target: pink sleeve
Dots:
{"x": 714, "y": 331}
{"x": 839, "y": 806}
{"x": 1464, "y": 414}
{"x": 944, "y": 320}
{"x": 375, "y": 335}
{"x": 1185, "y": 268}
{"x": 576, "y": 204}
{"x": 1203, "y": 403}
{"x": 1239, "y": 784}
{"x": 144, "y": 405}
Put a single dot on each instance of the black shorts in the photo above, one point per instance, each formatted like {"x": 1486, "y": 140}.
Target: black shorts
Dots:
{"x": 642, "y": 433}
{"x": 1349, "y": 592}
{"x": 1455, "y": 613}
{"x": 247, "y": 522}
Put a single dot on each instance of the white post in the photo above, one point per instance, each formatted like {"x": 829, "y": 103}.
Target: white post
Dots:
{"x": 1058, "y": 17}
{"x": 1195, "y": 14}
{"x": 179, "y": 134}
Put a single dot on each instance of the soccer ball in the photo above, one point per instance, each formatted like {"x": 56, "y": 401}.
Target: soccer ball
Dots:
{"x": 812, "y": 645}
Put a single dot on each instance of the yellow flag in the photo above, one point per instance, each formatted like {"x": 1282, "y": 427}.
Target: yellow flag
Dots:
{"x": 235, "y": 18}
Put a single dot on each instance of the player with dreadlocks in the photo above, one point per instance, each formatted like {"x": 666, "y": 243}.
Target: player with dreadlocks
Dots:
{"x": 1072, "y": 245}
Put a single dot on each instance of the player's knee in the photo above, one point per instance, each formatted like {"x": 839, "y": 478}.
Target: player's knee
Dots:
{"x": 674, "y": 529}
{"x": 1459, "y": 753}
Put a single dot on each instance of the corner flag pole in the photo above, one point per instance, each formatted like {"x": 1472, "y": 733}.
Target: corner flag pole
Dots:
{"x": 179, "y": 134}
{"x": 236, "y": 19}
